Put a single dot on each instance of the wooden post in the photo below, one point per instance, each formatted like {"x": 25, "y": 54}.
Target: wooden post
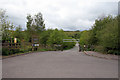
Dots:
{"x": 32, "y": 45}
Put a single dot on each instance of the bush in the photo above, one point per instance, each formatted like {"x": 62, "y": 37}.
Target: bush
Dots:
{"x": 5, "y": 51}
{"x": 14, "y": 51}
{"x": 104, "y": 34}
{"x": 99, "y": 48}
{"x": 29, "y": 49}
{"x": 116, "y": 52}
{"x": 22, "y": 50}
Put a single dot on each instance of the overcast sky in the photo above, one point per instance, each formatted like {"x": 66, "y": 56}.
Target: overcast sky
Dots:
{"x": 62, "y": 14}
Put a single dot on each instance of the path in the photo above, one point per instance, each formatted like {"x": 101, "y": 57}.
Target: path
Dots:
{"x": 59, "y": 64}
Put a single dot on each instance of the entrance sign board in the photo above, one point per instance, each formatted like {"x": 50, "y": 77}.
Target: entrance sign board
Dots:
{"x": 35, "y": 44}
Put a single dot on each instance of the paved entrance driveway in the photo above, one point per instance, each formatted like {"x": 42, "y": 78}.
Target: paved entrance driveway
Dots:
{"x": 59, "y": 64}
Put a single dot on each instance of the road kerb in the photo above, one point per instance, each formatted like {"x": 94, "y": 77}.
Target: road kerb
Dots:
{"x": 98, "y": 56}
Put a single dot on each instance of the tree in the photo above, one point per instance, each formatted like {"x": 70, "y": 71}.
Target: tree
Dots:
{"x": 104, "y": 34}
{"x": 97, "y": 28}
{"x": 35, "y": 23}
{"x": 6, "y": 26}
{"x": 84, "y": 39}
{"x": 109, "y": 37}
{"x": 39, "y": 22}
{"x": 44, "y": 36}
{"x": 56, "y": 37}
{"x": 29, "y": 23}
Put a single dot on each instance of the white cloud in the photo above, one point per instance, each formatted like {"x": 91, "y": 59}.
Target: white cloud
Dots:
{"x": 65, "y": 14}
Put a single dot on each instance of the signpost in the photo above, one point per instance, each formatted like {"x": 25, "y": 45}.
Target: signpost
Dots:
{"x": 35, "y": 43}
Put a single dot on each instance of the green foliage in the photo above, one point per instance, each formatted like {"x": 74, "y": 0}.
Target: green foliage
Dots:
{"x": 44, "y": 36}
{"x": 5, "y": 51}
{"x": 18, "y": 34}
{"x": 56, "y": 37}
{"x": 103, "y": 35}
{"x": 35, "y": 26}
{"x": 68, "y": 45}
{"x": 99, "y": 48}
{"x": 35, "y": 23}
{"x": 6, "y": 26}
{"x": 84, "y": 39}
{"x": 110, "y": 37}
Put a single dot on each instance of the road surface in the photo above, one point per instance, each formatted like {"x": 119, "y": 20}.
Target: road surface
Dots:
{"x": 59, "y": 64}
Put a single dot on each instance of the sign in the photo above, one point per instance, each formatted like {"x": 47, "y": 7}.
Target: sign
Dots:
{"x": 35, "y": 44}
{"x": 15, "y": 40}
{"x": 35, "y": 40}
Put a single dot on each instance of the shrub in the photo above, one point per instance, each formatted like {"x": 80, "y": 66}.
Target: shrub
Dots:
{"x": 99, "y": 48}
{"x": 5, "y": 51}
{"x": 116, "y": 52}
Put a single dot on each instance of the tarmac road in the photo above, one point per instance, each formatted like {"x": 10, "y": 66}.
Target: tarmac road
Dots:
{"x": 59, "y": 64}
